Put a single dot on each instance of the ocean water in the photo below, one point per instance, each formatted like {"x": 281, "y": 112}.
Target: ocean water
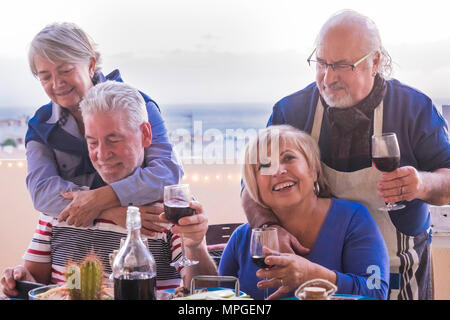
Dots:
{"x": 213, "y": 131}
{"x": 220, "y": 116}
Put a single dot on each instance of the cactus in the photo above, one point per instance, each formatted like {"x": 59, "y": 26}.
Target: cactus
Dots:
{"x": 90, "y": 276}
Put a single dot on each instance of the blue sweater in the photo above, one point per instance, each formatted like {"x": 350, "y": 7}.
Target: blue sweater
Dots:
{"x": 349, "y": 243}
{"x": 421, "y": 131}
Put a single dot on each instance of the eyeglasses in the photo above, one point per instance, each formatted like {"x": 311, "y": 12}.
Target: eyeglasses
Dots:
{"x": 322, "y": 65}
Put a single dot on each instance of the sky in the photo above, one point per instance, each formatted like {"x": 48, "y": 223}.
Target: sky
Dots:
{"x": 211, "y": 51}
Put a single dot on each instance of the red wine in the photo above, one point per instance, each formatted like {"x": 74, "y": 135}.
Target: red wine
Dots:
{"x": 136, "y": 289}
{"x": 386, "y": 164}
{"x": 176, "y": 209}
{"x": 259, "y": 261}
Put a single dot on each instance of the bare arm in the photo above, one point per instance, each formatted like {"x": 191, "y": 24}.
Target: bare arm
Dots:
{"x": 436, "y": 187}
{"x": 406, "y": 183}
{"x": 149, "y": 217}
{"x": 257, "y": 216}
{"x": 193, "y": 228}
{"x": 206, "y": 265}
{"x": 41, "y": 272}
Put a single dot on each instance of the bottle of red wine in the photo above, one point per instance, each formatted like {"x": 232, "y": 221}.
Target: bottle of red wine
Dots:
{"x": 134, "y": 268}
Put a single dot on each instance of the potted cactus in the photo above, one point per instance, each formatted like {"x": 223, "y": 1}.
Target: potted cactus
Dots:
{"x": 84, "y": 280}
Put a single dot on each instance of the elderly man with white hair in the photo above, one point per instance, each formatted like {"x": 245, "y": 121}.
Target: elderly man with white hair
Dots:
{"x": 117, "y": 132}
{"x": 351, "y": 100}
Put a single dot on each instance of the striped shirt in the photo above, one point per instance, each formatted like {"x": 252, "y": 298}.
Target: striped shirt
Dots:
{"x": 58, "y": 243}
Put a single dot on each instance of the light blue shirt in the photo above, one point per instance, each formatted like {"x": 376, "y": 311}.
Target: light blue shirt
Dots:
{"x": 51, "y": 172}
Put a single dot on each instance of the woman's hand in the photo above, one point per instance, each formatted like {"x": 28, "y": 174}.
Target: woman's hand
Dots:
{"x": 87, "y": 205}
{"x": 288, "y": 243}
{"x": 9, "y": 278}
{"x": 287, "y": 271}
{"x": 193, "y": 228}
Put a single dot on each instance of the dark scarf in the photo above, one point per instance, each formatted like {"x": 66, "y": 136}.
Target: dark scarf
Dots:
{"x": 350, "y": 129}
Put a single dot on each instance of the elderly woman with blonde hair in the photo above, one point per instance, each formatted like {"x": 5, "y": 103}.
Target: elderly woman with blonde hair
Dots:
{"x": 345, "y": 245}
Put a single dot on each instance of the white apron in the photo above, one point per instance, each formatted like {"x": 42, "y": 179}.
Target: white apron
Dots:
{"x": 360, "y": 186}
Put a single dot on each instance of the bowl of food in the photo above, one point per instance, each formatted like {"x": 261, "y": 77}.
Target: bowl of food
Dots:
{"x": 62, "y": 292}
{"x": 50, "y": 292}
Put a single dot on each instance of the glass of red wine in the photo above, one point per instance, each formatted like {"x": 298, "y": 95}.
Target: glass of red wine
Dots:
{"x": 263, "y": 237}
{"x": 386, "y": 157}
{"x": 176, "y": 206}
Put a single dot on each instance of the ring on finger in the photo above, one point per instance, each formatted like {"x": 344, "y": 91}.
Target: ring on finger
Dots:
{"x": 401, "y": 190}
{"x": 282, "y": 284}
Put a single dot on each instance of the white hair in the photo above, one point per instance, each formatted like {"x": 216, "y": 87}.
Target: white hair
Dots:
{"x": 65, "y": 42}
{"x": 113, "y": 96}
{"x": 372, "y": 34}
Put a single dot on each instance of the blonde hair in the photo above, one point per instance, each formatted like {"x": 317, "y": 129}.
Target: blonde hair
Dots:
{"x": 65, "y": 42}
{"x": 285, "y": 134}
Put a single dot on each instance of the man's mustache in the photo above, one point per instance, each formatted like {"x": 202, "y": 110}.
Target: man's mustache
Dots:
{"x": 336, "y": 86}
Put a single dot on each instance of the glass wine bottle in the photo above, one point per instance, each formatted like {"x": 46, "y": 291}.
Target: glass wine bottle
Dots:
{"x": 134, "y": 268}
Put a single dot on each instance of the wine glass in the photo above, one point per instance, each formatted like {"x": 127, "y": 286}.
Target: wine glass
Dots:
{"x": 386, "y": 157}
{"x": 263, "y": 237}
{"x": 176, "y": 206}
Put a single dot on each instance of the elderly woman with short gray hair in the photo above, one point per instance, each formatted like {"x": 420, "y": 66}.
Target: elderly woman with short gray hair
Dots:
{"x": 65, "y": 60}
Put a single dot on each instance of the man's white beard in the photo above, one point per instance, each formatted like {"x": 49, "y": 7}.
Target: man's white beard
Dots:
{"x": 343, "y": 102}
{"x": 332, "y": 101}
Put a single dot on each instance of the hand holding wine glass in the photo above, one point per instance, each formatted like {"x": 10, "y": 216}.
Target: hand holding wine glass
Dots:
{"x": 176, "y": 206}
{"x": 386, "y": 157}
{"x": 263, "y": 238}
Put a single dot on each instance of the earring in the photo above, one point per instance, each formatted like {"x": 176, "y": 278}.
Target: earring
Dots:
{"x": 316, "y": 188}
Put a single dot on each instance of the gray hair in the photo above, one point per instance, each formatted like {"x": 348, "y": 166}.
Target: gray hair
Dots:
{"x": 113, "y": 96}
{"x": 65, "y": 42}
{"x": 351, "y": 17}
{"x": 302, "y": 141}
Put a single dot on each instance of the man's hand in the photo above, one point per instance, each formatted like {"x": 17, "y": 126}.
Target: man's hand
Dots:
{"x": 150, "y": 218}
{"x": 193, "y": 228}
{"x": 404, "y": 183}
{"x": 9, "y": 278}
{"x": 289, "y": 243}
{"x": 87, "y": 205}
